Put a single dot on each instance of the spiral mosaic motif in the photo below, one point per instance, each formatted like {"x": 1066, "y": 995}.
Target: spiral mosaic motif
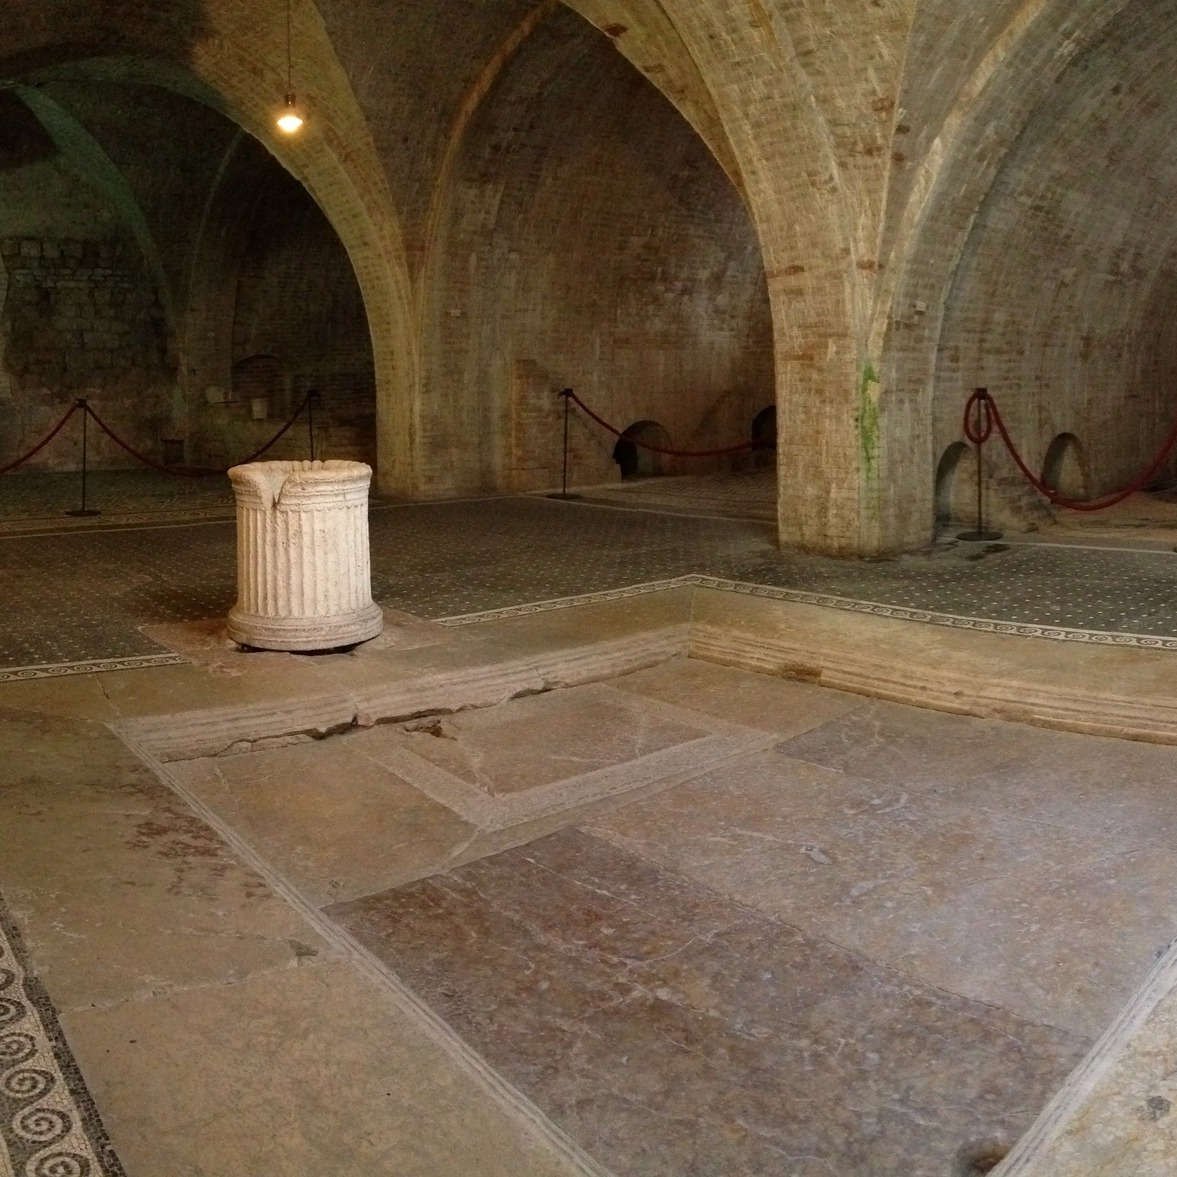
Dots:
{"x": 48, "y": 1123}
{"x": 61, "y": 1164}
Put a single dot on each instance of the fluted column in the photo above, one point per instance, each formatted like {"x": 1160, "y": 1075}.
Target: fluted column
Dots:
{"x": 303, "y": 567}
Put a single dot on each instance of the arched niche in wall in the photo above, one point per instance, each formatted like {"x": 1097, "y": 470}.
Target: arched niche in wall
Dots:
{"x": 763, "y": 436}
{"x": 1064, "y": 469}
{"x": 259, "y": 378}
{"x": 955, "y": 486}
{"x": 631, "y": 454}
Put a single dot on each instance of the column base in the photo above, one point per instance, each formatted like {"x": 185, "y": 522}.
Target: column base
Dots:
{"x": 305, "y": 633}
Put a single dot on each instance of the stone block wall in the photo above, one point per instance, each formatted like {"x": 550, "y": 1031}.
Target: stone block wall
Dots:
{"x": 590, "y": 241}
{"x": 298, "y": 323}
{"x": 82, "y": 318}
{"x": 1061, "y": 304}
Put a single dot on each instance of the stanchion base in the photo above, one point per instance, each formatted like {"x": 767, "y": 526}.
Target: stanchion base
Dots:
{"x": 558, "y": 495}
{"x": 976, "y": 537}
{"x": 84, "y": 514}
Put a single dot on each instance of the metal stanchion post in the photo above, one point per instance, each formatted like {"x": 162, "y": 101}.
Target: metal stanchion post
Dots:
{"x": 566, "y": 393}
{"x": 312, "y": 396}
{"x": 82, "y": 510}
{"x": 980, "y": 433}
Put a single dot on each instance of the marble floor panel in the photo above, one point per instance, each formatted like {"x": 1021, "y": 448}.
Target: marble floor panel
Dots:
{"x": 866, "y": 940}
{"x": 673, "y": 1031}
{"x": 218, "y": 1030}
{"x": 337, "y": 822}
{"x": 377, "y": 807}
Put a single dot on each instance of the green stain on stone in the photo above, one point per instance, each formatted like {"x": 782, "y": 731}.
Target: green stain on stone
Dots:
{"x": 868, "y": 421}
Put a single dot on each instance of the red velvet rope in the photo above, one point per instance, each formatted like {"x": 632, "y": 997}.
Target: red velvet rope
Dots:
{"x": 185, "y": 473}
{"x": 43, "y": 442}
{"x": 731, "y": 449}
{"x": 988, "y": 415}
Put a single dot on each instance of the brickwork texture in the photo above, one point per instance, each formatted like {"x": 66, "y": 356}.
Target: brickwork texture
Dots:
{"x": 687, "y": 210}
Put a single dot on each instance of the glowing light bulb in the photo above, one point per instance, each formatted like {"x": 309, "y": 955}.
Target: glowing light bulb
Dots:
{"x": 290, "y": 120}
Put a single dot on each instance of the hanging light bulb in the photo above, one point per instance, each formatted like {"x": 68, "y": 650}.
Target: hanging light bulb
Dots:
{"x": 289, "y": 121}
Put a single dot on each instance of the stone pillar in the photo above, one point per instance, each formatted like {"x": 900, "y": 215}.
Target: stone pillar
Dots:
{"x": 303, "y": 567}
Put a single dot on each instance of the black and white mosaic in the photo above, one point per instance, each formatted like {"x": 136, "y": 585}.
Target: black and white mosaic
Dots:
{"x": 75, "y": 601}
{"x": 48, "y": 1123}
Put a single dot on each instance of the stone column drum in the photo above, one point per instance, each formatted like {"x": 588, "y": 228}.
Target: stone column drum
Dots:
{"x": 304, "y": 577}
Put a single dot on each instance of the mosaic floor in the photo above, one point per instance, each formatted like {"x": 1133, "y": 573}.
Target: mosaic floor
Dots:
{"x": 48, "y": 1123}
{"x": 749, "y": 494}
{"x": 441, "y": 560}
{"x": 37, "y": 500}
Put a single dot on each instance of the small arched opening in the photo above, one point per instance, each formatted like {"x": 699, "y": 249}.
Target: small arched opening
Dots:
{"x": 1064, "y": 469}
{"x": 632, "y": 456}
{"x": 955, "y": 475}
{"x": 258, "y": 381}
{"x": 764, "y": 438}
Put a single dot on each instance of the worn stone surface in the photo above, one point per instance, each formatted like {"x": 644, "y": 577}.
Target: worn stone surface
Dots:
{"x": 312, "y": 1070}
{"x": 210, "y": 1019}
{"x": 674, "y": 1031}
{"x": 336, "y": 822}
{"x": 101, "y": 863}
{"x": 581, "y": 730}
{"x": 775, "y": 705}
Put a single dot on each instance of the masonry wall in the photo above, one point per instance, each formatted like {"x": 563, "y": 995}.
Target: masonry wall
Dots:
{"x": 1060, "y": 304}
{"x": 297, "y": 301}
{"x": 81, "y": 316}
{"x": 590, "y": 241}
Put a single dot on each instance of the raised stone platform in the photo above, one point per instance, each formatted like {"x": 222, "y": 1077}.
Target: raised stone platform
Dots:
{"x": 450, "y": 755}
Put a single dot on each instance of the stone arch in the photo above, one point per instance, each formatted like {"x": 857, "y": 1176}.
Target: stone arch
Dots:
{"x": 931, "y": 231}
{"x": 232, "y": 57}
{"x": 1064, "y": 468}
{"x": 642, "y": 463}
{"x": 259, "y": 377}
{"x": 774, "y": 85}
{"x": 587, "y": 253}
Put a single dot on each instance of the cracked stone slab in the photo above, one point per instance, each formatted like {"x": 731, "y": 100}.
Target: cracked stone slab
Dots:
{"x": 451, "y": 684}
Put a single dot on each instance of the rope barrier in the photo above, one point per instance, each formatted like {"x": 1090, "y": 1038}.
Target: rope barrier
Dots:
{"x": 43, "y": 442}
{"x": 306, "y": 400}
{"x": 141, "y": 457}
{"x": 176, "y": 472}
{"x": 187, "y": 473}
{"x": 988, "y": 415}
{"x": 731, "y": 449}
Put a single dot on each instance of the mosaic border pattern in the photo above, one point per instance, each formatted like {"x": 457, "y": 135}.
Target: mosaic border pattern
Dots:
{"x": 530, "y": 607}
{"x": 49, "y": 1126}
{"x": 830, "y": 601}
{"x": 90, "y": 666}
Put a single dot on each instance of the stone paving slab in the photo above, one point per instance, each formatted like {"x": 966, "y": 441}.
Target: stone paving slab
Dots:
{"x": 676, "y": 1033}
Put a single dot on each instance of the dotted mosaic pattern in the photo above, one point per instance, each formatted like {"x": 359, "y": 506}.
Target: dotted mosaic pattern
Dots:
{"x": 37, "y": 500}
{"x": 78, "y": 596}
